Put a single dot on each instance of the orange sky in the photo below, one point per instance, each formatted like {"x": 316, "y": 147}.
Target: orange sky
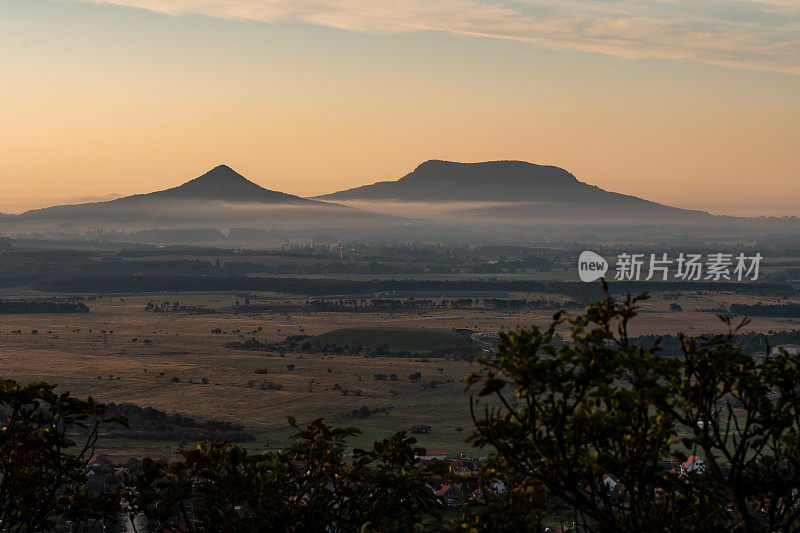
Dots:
{"x": 100, "y": 99}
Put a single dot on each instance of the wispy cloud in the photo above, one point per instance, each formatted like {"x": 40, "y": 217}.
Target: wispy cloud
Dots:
{"x": 750, "y": 34}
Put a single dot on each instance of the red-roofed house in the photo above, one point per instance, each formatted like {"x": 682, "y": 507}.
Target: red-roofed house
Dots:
{"x": 692, "y": 464}
{"x": 100, "y": 460}
{"x": 461, "y": 467}
{"x": 449, "y": 493}
{"x": 433, "y": 454}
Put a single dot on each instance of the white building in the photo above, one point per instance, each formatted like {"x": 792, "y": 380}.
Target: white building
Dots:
{"x": 791, "y": 349}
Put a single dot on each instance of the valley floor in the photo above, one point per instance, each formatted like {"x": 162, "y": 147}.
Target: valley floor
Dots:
{"x": 95, "y": 354}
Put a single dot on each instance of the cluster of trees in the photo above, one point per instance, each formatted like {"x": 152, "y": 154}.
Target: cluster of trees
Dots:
{"x": 773, "y": 310}
{"x": 512, "y": 304}
{"x": 148, "y": 423}
{"x": 264, "y": 385}
{"x": 330, "y": 267}
{"x": 360, "y": 305}
{"x": 394, "y": 305}
{"x": 589, "y": 432}
{"x": 352, "y": 305}
{"x": 536, "y": 263}
{"x": 581, "y": 292}
{"x": 753, "y": 342}
{"x": 366, "y": 412}
{"x": 41, "y": 306}
{"x": 749, "y": 341}
{"x": 302, "y": 344}
{"x": 177, "y": 307}
{"x": 292, "y": 343}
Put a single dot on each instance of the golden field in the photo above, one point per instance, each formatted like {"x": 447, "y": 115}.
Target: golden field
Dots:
{"x": 72, "y": 351}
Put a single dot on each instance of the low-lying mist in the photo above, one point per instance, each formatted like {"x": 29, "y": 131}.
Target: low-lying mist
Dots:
{"x": 387, "y": 221}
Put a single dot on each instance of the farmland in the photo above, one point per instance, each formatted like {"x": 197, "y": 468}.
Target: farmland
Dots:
{"x": 179, "y": 362}
{"x": 375, "y": 336}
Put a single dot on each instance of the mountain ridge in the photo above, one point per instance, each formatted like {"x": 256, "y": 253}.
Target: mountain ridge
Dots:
{"x": 437, "y": 180}
{"x": 441, "y": 200}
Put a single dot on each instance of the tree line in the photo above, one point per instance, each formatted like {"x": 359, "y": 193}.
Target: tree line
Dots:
{"x": 750, "y": 341}
{"x": 581, "y": 292}
{"x": 148, "y": 423}
{"x": 372, "y": 305}
{"x": 14, "y": 307}
{"x": 304, "y": 344}
{"x": 771, "y": 310}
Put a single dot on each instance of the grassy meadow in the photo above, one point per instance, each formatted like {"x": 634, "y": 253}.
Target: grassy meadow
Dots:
{"x": 119, "y": 353}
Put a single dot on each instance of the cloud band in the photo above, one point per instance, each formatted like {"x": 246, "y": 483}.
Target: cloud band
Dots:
{"x": 751, "y": 34}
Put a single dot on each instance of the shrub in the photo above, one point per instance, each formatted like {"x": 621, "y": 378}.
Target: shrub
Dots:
{"x": 47, "y": 439}
{"x": 361, "y": 412}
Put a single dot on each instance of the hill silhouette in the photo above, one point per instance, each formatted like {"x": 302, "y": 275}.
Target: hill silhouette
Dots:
{"x": 221, "y": 183}
{"x": 496, "y": 181}
{"x": 437, "y": 201}
{"x": 204, "y": 209}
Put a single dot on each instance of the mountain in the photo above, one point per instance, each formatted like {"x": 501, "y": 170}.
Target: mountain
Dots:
{"x": 495, "y": 181}
{"x": 439, "y": 201}
{"x": 221, "y": 183}
{"x": 437, "y": 180}
{"x": 216, "y": 203}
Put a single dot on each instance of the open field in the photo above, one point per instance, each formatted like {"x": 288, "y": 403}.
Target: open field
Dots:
{"x": 119, "y": 353}
{"x": 400, "y": 339}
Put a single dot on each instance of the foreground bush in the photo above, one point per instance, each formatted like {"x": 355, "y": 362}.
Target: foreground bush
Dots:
{"x": 599, "y": 428}
{"x": 307, "y": 486}
{"x": 43, "y": 464}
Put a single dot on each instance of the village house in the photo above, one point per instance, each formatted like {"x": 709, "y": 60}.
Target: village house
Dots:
{"x": 791, "y": 349}
{"x": 100, "y": 460}
{"x": 692, "y": 464}
{"x": 450, "y": 493}
{"x": 132, "y": 465}
{"x": 440, "y": 455}
{"x": 462, "y": 467}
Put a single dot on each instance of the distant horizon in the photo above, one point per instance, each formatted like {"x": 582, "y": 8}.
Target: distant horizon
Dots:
{"x": 770, "y": 209}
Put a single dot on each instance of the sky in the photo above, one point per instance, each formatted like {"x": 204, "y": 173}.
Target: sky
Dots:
{"x": 694, "y": 104}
